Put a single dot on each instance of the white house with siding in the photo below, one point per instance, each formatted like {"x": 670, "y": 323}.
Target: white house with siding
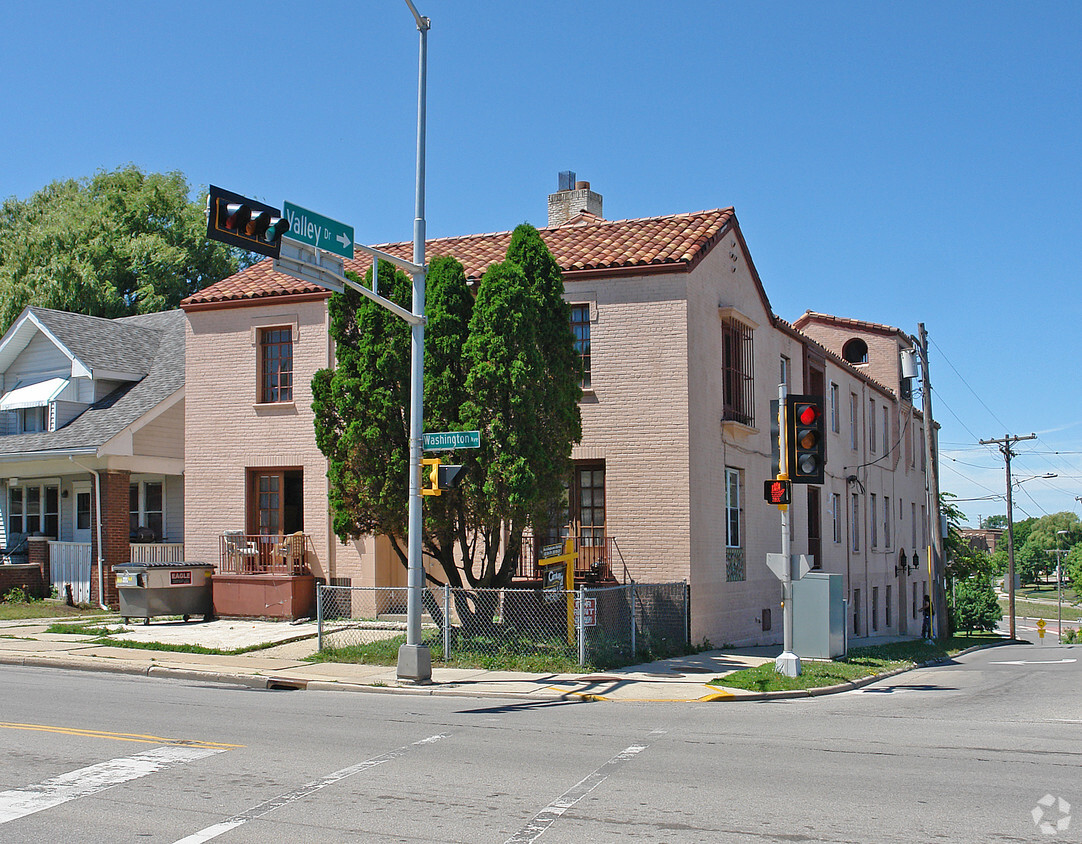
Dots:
{"x": 92, "y": 410}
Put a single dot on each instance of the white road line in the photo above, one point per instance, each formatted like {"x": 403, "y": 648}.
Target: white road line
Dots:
{"x": 548, "y": 816}
{"x": 70, "y": 786}
{"x": 217, "y": 829}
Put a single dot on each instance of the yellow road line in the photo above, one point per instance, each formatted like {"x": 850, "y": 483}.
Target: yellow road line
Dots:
{"x": 136, "y": 737}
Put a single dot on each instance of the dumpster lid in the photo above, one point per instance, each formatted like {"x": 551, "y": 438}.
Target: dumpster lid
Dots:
{"x": 141, "y": 566}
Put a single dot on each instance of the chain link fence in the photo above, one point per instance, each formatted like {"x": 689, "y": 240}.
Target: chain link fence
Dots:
{"x": 600, "y": 626}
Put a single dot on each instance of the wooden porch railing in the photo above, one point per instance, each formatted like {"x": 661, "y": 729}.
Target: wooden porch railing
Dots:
{"x": 157, "y": 552}
{"x": 241, "y": 553}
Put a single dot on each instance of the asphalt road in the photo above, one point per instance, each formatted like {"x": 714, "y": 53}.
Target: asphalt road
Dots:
{"x": 957, "y": 753}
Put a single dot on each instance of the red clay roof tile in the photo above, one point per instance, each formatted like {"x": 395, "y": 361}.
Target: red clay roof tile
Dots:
{"x": 586, "y": 245}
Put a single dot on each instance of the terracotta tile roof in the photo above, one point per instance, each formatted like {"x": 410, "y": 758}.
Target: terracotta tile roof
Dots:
{"x": 848, "y": 322}
{"x": 675, "y": 242}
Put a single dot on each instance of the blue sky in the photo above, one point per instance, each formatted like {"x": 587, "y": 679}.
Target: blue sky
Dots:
{"x": 894, "y": 162}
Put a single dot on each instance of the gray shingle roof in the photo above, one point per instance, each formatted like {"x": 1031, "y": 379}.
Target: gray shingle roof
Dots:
{"x": 114, "y": 344}
{"x": 154, "y": 341}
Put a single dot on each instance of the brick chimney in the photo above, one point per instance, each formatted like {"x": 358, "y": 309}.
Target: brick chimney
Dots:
{"x": 572, "y": 199}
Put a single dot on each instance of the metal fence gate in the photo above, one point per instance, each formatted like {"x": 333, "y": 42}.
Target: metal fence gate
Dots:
{"x": 603, "y": 626}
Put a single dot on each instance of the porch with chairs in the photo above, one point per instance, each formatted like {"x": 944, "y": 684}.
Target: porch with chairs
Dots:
{"x": 264, "y": 575}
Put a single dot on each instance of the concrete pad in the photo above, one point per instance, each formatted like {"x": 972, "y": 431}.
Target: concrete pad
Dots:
{"x": 223, "y": 634}
{"x": 34, "y": 646}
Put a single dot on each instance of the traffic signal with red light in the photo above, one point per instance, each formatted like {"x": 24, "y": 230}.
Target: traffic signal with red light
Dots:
{"x": 243, "y": 222}
{"x": 805, "y": 439}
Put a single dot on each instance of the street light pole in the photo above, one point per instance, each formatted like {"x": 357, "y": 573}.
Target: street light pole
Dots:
{"x": 414, "y": 659}
{"x": 1059, "y": 589}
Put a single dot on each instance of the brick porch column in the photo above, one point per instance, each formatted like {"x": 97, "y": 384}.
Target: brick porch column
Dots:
{"x": 115, "y": 531}
{"x": 37, "y": 550}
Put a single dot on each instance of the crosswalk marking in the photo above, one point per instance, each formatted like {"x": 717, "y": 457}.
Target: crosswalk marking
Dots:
{"x": 18, "y": 803}
{"x": 217, "y": 829}
{"x": 548, "y": 816}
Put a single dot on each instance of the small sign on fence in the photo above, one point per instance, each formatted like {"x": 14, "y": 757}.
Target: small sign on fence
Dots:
{"x": 589, "y": 608}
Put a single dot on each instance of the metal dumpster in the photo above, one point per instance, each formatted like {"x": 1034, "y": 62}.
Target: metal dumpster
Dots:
{"x": 150, "y": 589}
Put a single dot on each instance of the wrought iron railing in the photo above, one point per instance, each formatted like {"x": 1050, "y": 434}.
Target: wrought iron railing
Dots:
{"x": 592, "y": 565}
{"x": 241, "y": 553}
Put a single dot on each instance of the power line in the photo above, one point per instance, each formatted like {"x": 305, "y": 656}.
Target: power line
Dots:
{"x": 963, "y": 380}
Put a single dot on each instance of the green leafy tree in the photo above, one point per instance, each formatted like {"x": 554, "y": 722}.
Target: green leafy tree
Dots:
{"x": 1029, "y": 561}
{"x": 998, "y": 521}
{"x": 963, "y": 560}
{"x": 122, "y": 242}
{"x": 974, "y": 605}
{"x": 500, "y": 364}
{"x": 1072, "y": 567}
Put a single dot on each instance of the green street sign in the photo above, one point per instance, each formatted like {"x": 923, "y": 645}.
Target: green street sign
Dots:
{"x": 316, "y": 230}
{"x": 450, "y": 440}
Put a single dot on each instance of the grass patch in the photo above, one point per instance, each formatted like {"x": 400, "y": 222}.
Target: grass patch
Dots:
{"x": 538, "y": 660}
{"x": 503, "y": 652}
{"x": 1033, "y": 609}
{"x": 857, "y": 664}
{"x": 44, "y": 609}
{"x": 1047, "y": 591}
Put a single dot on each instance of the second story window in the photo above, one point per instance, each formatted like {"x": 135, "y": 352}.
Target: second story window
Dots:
{"x": 275, "y": 365}
{"x": 580, "y": 329}
{"x": 833, "y": 407}
{"x": 737, "y": 376}
{"x": 854, "y": 420}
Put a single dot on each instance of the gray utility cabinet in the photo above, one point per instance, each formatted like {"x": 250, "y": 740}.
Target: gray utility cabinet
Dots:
{"x": 150, "y": 589}
{"x": 819, "y": 616}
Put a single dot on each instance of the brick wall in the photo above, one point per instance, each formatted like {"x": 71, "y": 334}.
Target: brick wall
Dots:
{"x": 23, "y": 576}
{"x": 228, "y": 431}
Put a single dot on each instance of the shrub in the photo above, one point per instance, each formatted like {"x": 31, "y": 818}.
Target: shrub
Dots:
{"x": 974, "y": 605}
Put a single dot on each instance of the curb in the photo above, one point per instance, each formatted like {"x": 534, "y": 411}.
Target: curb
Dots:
{"x": 850, "y": 685}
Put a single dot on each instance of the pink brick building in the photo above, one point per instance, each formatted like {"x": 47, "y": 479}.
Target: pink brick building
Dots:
{"x": 685, "y": 355}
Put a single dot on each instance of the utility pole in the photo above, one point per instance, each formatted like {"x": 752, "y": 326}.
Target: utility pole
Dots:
{"x": 936, "y": 563}
{"x": 1005, "y": 449}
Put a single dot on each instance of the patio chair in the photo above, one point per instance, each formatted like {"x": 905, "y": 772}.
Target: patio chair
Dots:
{"x": 240, "y": 553}
{"x": 293, "y": 550}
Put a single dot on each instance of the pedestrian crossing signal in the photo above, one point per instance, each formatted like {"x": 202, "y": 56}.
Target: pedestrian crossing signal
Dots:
{"x": 778, "y": 492}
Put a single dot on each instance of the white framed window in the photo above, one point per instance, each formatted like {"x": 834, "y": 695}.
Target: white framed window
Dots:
{"x": 836, "y": 515}
{"x": 34, "y": 508}
{"x": 886, "y": 608}
{"x": 854, "y": 420}
{"x": 146, "y": 507}
{"x": 873, "y": 516}
{"x": 913, "y": 519}
{"x": 886, "y": 429}
{"x": 732, "y": 508}
{"x": 875, "y": 608}
{"x": 784, "y": 372}
{"x": 833, "y": 407}
{"x": 886, "y": 522}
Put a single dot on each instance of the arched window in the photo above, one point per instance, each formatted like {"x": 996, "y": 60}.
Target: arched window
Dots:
{"x": 855, "y": 351}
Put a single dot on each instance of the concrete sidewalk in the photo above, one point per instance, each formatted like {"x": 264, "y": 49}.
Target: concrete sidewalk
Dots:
{"x": 282, "y": 665}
